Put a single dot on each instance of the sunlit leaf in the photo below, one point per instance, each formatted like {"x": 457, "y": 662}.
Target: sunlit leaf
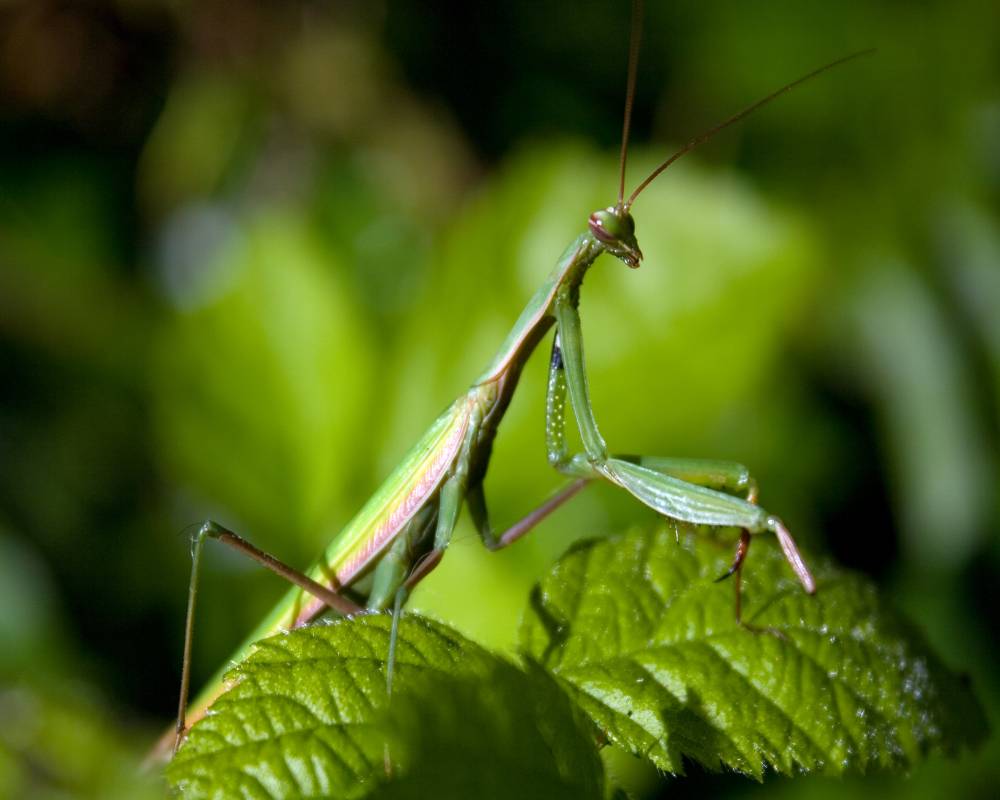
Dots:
{"x": 648, "y": 644}
{"x": 308, "y": 717}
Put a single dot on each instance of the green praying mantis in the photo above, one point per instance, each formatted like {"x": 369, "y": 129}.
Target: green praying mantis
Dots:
{"x": 403, "y": 530}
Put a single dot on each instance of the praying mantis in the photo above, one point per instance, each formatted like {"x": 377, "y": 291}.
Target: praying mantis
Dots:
{"x": 403, "y": 530}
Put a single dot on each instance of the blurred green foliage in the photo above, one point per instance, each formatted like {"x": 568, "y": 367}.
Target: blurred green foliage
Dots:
{"x": 248, "y": 251}
{"x": 249, "y": 375}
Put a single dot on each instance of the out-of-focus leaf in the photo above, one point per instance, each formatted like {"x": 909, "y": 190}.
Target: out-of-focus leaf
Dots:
{"x": 971, "y": 778}
{"x": 60, "y": 744}
{"x": 61, "y": 293}
{"x": 195, "y": 140}
{"x": 60, "y": 222}
{"x": 262, "y": 394}
{"x": 915, "y": 366}
{"x": 648, "y": 644}
{"x": 970, "y": 254}
{"x": 307, "y": 718}
{"x": 30, "y": 629}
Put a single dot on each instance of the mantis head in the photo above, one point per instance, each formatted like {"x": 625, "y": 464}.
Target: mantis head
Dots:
{"x": 614, "y": 228}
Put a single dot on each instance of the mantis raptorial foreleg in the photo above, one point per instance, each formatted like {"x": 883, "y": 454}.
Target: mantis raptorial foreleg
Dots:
{"x": 689, "y": 491}
{"x": 729, "y": 477}
{"x": 724, "y": 476}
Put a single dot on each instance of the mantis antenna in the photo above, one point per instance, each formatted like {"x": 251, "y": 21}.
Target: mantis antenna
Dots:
{"x": 633, "y": 61}
{"x": 704, "y": 137}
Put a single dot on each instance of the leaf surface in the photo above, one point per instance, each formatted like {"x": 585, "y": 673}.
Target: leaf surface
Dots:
{"x": 308, "y": 717}
{"x": 648, "y": 644}
{"x": 506, "y": 734}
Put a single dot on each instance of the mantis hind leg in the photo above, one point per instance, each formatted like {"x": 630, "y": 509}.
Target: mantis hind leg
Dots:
{"x": 212, "y": 530}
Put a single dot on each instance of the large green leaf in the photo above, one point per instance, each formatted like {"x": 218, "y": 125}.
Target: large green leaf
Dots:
{"x": 263, "y": 391}
{"x": 307, "y": 717}
{"x": 649, "y": 646}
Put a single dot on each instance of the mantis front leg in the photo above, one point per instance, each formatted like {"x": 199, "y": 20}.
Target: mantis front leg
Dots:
{"x": 699, "y": 492}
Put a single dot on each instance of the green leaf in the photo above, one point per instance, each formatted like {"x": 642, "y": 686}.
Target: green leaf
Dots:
{"x": 206, "y": 121}
{"x": 60, "y": 741}
{"x": 301, "y": 719}
{"x": 307, "y": 717}
{"x": 502, "y": 735}
{"x": 648, "y": 644}
{"x": 269, "y": 369}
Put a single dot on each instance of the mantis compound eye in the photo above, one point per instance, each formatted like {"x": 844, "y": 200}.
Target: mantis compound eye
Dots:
{"x": 614, "y": 228}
